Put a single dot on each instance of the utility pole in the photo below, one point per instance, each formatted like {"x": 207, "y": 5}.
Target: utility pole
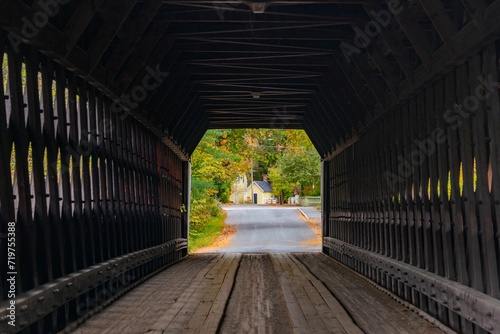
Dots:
{"x": 251, "y": 175}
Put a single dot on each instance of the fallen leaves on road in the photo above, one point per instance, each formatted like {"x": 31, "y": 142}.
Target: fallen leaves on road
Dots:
{"x": 315, "y": 224}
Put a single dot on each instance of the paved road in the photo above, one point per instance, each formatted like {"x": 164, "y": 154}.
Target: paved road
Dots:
{"x": 268, "y": 229}
{"x": 311, "y": 213}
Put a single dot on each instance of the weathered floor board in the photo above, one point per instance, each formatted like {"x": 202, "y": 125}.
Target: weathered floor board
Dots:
{"x": 256, "y": 293}
{"x": 256, "y": 304}
{"x": 372, "y": 310}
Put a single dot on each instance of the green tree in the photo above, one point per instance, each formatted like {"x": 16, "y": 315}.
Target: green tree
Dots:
{"x": 299, "y": 167}
{"x": 216, "y": 165}
{"x": 282, "y": 187}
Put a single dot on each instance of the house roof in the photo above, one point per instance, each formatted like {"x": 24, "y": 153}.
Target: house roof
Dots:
{"x": 265, "y": 186}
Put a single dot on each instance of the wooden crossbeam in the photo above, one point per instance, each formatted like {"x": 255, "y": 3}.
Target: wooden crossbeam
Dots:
{"x": 330, "y": 132}
{"x": 79, "y": 21}
{"x": 150, "y": 54}
{"x": 316, "y": 33}
{"x": 368, "y": 74}
{"x": 385, "y": 68}
{"x": 132, "y": 34}
{"x": 388, "y": 34}
{"x": 290, "y": 46}
{"x": 273, "y": 2}
{"x": 441, "y": 20}
{"x": 211, "y": 30}
{"x": 142, "y": 49}
{"x": 345, "y": 74}
{"x": 171, "y": 87}
{"x": 330, "y": 88}
{"x": 170, "y": 107}
{"x": 416, "y": 35}
{"x": 344, "y": 91}
{"x": 115, "y": 17}
{"x": 177, "y": 13}
{"x": 476, "y": 9}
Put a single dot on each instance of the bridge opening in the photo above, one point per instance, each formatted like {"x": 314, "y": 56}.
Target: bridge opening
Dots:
{"x": 268, "y": 184}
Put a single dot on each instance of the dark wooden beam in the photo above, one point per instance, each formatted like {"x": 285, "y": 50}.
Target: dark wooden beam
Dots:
{"x": 318, "y": 141}
{"x": 255, "y": 30}
{"x": 369, "y": 75}
{"x": 180, "y": 14}
{"x": 255, "y": 124}
{"x": 441, "y": 20}
{"x": 415, "y": 34}
{"x": 116, "y": 15}
{"x": 273, "y": 2}
{"x": 169, "y": 78}
{"x": 79, "y": 21}
{"x": 140, "y": 67}
{"x": 476, "y": 9}
{"x": 385, "y": 68}
{"x": 293, "y": 46}
{"x": 264, "y": 78}
{"x": 339, "y": 104}
{"x": 170, "y": 109}
{"x": 131, "y": 36}
{"x": 328, "y": 131}
{"x": 234, "y": 68}
{"x": 193, "y": 111}
{"x": 48, "y": 38}
{"x": 322, "y": 117}
{"x": 306, "y": 34}
{"x": 193, "y": 129}
{"x": 49, "y": 41}
{"x": 343, "y": 72}
{"x": 467, "y": 42}
{"x": 142, "y": 51}
{"x": 344, "y": 92}
{"x": 388, "y": 34}
{"x": 172, "y": 87}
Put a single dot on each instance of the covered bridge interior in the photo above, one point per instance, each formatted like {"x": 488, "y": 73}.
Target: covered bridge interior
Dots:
{"x": 104, "y": 102}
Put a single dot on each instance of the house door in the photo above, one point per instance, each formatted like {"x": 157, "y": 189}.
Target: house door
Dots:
{"x": 254, "y": 198}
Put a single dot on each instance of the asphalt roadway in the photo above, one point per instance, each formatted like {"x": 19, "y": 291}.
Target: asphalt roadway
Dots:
{"x": 268, "y": 229}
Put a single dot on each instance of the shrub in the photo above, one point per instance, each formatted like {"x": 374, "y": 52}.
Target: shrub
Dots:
{"x": 202, "y": 210}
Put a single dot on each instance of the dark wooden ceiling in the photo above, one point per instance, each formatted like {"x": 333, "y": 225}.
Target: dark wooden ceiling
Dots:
{"x": 264, "y": 64}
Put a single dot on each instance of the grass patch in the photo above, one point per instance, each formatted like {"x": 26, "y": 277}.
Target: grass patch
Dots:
{"x": 206, "y": 234}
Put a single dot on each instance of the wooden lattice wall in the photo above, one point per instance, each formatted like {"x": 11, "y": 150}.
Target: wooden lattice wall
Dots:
{"x": 96, "y": 197}
{"x": 415, "y": 203}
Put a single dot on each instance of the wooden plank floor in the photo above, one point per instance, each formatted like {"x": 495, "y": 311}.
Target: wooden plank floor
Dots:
{"x": 256, "y": 293}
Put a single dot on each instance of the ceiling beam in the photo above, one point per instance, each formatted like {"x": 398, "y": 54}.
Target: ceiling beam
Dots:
{"x": 141, "y": 67}
{"x": 216, "y": 14}
{"x": 476, "y": 9}
{"x": 369, "y": 75}
{"x": 351, "y": 83}
{"x": 130, "y": 35}
{"x": 389, "y": 35}
{"x": 115, "y": 16}
{"x": 79, "y": 21}
{"x": 440, "y": 19}
{"x": 384, "y": 67}
{"x": 415, "y": 33}
{"x": 136, "y": 60}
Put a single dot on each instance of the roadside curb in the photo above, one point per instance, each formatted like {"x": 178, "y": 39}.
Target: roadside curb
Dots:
{"x": 303, "y": 213}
